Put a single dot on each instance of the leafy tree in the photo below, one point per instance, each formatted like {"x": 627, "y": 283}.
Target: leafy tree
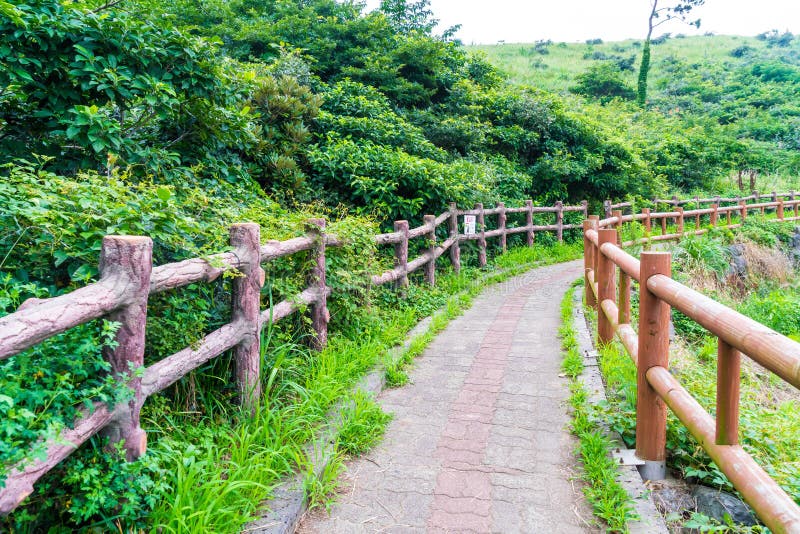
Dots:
{"x": 658, "y": 16}
{"x": 409, "y": 15}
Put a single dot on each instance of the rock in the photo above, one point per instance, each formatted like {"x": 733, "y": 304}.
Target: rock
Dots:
{"x": 738, "y": 267}
{"x": 672, "y": 497}
{"x": 794, "y": 246}
{"x": 716, "y": 503}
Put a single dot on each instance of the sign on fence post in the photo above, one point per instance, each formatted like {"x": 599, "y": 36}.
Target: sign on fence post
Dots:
{"x": 469, "y": 225}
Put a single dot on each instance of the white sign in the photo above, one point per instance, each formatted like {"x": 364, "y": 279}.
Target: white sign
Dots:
{"x": 469, "y": 225}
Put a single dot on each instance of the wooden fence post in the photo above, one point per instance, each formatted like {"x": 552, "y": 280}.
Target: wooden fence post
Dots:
{"x": 728, "y": 214}
{"x": 680, "y": 220}
{"x": 780, "y": 210}
{"x": 663, "y": 226}
{"x": 697, "y": 215}
{"x": 791, "y": 197}
{"x": 401, "y": 253}
{"x": 606, "y": 283}
{"x": 729, "y": 362}
{"x": 530, "y": 236}
{"x": 318, "y": 279}
{"x": 674, "y": 206}
{"x": 618, "y": 215}
{"x": 647, "y": 222}
{"x": 245, "y": 239}
{"x": 588, "y": 263}
{"x": 743, "y": 212}
{"x": 501, "y": 225}
{"x": 560, "y": 221}
{"x": 129, "y": 261}
{"x": 651, "y": 412}
{"x": 482, "y": 237}
{"x": 585, "y": 206}
{"x": 714, "y": 215}
{"x": 607, "y": 208}
{"x": 455, "y": 248}
{"x": 430, "y": 267}
{"x": 624, "y": 299}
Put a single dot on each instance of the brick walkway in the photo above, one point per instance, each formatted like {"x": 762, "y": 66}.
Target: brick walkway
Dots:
{"x": 478, "y": 442}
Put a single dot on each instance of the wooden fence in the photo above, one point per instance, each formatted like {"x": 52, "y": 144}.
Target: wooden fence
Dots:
{"x": 127, "y": 278}
{"x": 609, "y": 272}
{"x": 609, "y": 207}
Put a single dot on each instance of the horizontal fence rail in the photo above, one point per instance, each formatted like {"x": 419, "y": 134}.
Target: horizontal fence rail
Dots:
{"x": 609, "y": 273}
{"x": 674, "y": 202}
{"x": 127, "y": 278}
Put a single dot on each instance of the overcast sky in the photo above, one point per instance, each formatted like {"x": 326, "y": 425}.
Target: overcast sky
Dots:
{"x": 489, "y": 21}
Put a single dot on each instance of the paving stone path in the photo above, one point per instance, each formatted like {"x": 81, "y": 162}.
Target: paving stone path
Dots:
{"x": 478, "y": 442}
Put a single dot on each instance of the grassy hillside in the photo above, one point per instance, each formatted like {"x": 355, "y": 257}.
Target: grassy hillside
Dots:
{"x": 555, "y": 69}
{"x": 716, "y": 104}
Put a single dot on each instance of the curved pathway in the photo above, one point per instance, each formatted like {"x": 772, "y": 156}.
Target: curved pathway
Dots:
{"x": 479, "y": 441}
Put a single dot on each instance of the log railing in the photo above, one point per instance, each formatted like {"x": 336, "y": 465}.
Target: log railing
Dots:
{"x": 609, "y": 207}
{"x": 656, "y": 225}
{"x": 127, "y": 278}
{"x": 609, "y": 271}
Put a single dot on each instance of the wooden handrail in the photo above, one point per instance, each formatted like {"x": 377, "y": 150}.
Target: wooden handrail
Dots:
{"x": 649, "y": 350}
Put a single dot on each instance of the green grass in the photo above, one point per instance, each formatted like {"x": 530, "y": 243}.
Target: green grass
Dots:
{"x": 556, "y": 70}
{"x": 363, "y": 424}
{"x": 320, "y": 488}
{"x": 609, "y": 500}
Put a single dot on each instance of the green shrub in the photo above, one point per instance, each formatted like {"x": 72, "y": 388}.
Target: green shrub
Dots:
{"x": 779, "y": 310}
{"x": 603, "y": 81}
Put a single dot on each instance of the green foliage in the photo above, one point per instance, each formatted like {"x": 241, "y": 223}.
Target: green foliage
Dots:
{"x": 363, "y": 424}
{"x": 644, "y": 71}
{"x": 99, "y": 89}
{"x": 603, "y": 81}
{"x": 43, "y": 392}
{"x": 397, "y": 185}
{"x": 708, "y": 251}
{"x": 709, "y": 114}
{"x": 98, "y": 487}
{"x": 765, "y": 232}
{"x": 777, "y": 309}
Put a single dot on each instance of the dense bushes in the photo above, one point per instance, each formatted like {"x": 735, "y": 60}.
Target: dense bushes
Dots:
{"x": 603, "y": 81}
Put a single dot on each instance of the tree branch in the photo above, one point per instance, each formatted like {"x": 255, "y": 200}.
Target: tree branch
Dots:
{"x": 105, "y": 6}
